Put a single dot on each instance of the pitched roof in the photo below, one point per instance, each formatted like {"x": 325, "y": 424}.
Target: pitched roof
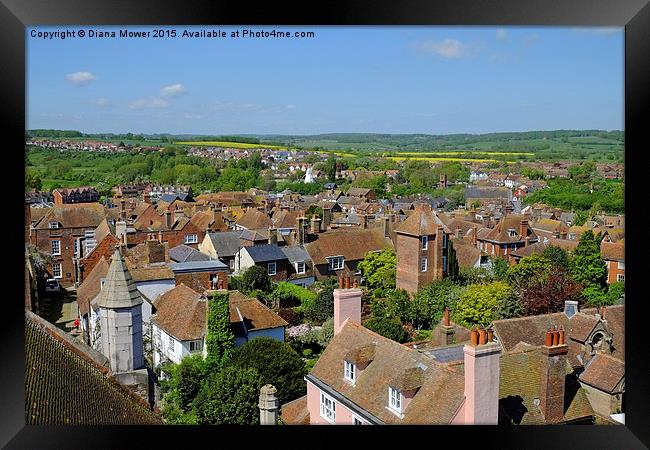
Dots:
{"x": 78, "y": 215}
{"x": 263, "y": 253}
{"x": 358, "y": 192}
{"x": 550, "y": 225}
{"x": 255, "y": 314}
{"x": 91, "y": 285}
{"x": 183, "y": 253}
{"x": 286, "y": 219}
{"x": 510, "y": 222}
{"x": 466, "y": 255}
{"x": 539, "y": 247}
{"x": 253, "y": 218}
{"x": 68, "y": 383}
{"x": 119, "y": 289}
{"x": 436, "y": 402}
{"x": 604, "y": 372}
{"x": 488, "y": 192}
{"x": 151, "y": 272}
{"x": 182, "y": 312}
{"x": 613, "y": 251}
{"x": 197, "y": 266}
{"x": 422, "y": 221}
{"x": 352, "y": 244}
{"x": 295, "y": 254}
{"x": 295, "y": 412}
{"x": 226, "y": 243}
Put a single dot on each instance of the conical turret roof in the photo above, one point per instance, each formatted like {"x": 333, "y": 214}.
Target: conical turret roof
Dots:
{"x": 119, "y": 289}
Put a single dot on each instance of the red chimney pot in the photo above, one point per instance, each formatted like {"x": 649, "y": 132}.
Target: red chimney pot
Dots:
{"x": 474, "y": 337}
{"x": 490, "y": 334}
{"x": 549, "y": 338}
{"x": 482, "y": 336}
{"x": 561, "y": 331}
{"x": 556, "y": 338}
{"x": 446, "y": 317}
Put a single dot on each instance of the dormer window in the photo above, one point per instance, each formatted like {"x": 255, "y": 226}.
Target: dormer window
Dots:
{"x": 54, "y": 225}
{"x": 512, "y": 232}
{"x": 350, "y": 372}
{"x": 395, "y": 400}
{"x": 425, "y": 242}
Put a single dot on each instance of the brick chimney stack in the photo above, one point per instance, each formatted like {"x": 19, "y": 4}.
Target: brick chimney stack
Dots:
{"x": 474, "y": 235}
{"x": 146, "y": 198}
{"x": 523, "y": 228}
{"x": 386, "y": 223}
{"x": 364, "y": 221}
{"x": 347, "y": 304}
{"x": 553, "y": 372}
{"x": 447, "y": 331}
{"x": 168, "y": 219}
{"x": 458, "y": 232}
{"x": 482, "y": 359}
{"x": 315, "y": 224}
{"x": 273, "y": 236}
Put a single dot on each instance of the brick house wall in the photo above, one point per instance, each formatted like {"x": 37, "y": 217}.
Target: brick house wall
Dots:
{"x": 409, "y": 259}
{"x": 614, "y": 269}
{"x": 281, "y": 268}
{"x": 66, "y": 236}
{"x": 105, "y": 248}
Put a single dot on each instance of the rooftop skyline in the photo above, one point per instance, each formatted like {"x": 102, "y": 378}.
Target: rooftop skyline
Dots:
{"x": 433, "y": 80}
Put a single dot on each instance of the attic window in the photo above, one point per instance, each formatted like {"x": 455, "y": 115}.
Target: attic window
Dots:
{"x": 395, "y": 400}
{"x": 350, "y": 371}
{"x": 512, "y": 232}
{"x": 54, "y": 225}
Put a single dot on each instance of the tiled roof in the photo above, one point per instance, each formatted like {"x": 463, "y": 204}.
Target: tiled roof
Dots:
{"x": 295, "y": 412}
{"x": 91, "y": 285}
{"x": 604, "y": 372}
{"x": 353, "y": 244}
{"x": 511, "y": 221}
{"x": 182, "y": 312}
{"x": 286, "y": 219}
{"x": 256, "y": 316}
{"x": 550, "y": 225}
{"x": 79, "y": 215}
{"x": 66, "y": 384}
{"x": 436, "y": 401}
{"x": 197, "y": 266}
{"x": 488, "y": 192}
{"x": 358, "y": 192}
{"x": 466, "y": 255}
{"x": 151, "y": 273}
{"x": 253, "y": 218}
{"x": 422, "y": 221}
{"x": 613, "y": 251}
{"x": 539, "y": 247}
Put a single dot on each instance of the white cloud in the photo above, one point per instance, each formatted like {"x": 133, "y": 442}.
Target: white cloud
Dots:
{"x": 502, "y": 35}
{"x": 450, "y": 48}
{"x": 149, "y": 103}
{"x": 173, "y": 90}
{"x": 80, "y": 78}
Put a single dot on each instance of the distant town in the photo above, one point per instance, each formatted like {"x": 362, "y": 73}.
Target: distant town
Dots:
{"x": 328, "y": 279}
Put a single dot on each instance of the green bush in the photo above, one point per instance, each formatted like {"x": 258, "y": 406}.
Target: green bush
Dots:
{"x": 390, "y": 328}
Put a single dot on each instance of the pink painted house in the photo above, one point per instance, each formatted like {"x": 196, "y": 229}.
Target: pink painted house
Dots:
{"x": 364, "y": 378}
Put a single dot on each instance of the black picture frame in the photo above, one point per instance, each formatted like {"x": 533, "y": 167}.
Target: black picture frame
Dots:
{"x": 16, "y": 15}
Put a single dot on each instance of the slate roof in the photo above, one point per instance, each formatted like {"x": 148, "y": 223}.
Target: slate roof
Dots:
{"x": 296, "y": 254}
{"x": 436, "y": 401}
{"x": 184, "y": 253}
{"x": 488, "y": 192}
{"x": 352, "y": 244}
{"x": 226, "y": 243}
{"x": 604, "y": 372}
{"x": 263, "y": 253}
{"x": 197, "y": 266}
{"x": 68, "y": 383}
{"x": 119, "y": 289}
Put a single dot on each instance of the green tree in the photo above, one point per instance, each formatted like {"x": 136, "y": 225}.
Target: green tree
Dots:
{"x": 558, "y": 257}
{"x": 330, "y": 168}
{"x": 480, "y": 304}
{"x": 378, "y": 269}
{"x": 277, "y": 363}
{"x": 588, "y": 266}
{"x": 390, "y": 328}
{"x": 428, "y": 305}
{"x": 533, "y": 267}
{"x": 230, "y": 396}
{"x": 185, "y": 381}
{"x": 287, "y": 294}
{"x": 615, "y": 291}
{"x": 220, "y": 339}
{"x": 256, "y": 278}
{"x": 500, "y": 268}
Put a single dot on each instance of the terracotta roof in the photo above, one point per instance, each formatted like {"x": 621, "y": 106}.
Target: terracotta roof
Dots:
{"x": 613, "y": 251}
{"x": 182, "y": 312}
{"x": 467, "y": 255}
{"x": 79, "y": 215}
{"x": 151, "y": 273}
{"x": 604, "y": 372}
{"x": 67, "y": 384}
{"x": 511, "y": 221}
{"x": 295, "y": 412}
{"x": 256, "y": 316}
{"x": 286, "y": 219}
{"x": 422, "y": 221}
{"x": 353, "y": 244}
{"x": 358, "y": 192}
{"x": 539, "y": 247}
{"x": 435, "y": 402}
{"x": 91, "y": 285}
{"x": 581, "y": 325}
{"x": 253, "y": 218}
{"x": 550, "y": 225}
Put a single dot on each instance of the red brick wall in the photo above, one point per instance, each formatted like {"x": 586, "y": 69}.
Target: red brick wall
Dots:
{"x": 409, "y": 256}
{"x": 43, "y": 238}
{"x": 613, "y": 271}
{"x": 105, "y": 248}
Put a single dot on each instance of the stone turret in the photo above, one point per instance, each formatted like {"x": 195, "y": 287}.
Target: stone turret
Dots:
{"x": 269, "y": 405}
{"x": 120, "y": 306}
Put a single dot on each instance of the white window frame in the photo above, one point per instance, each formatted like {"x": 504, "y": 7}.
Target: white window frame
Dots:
{"x": 53, "y": 225}
{"x": 58, "y": 266}
{"x": 275, "y": 268}
{"x": 395, "y": 400}
{"x": 357, "y": 420}
{"x": 620, "y": 277}
{"x": 621, "y": 265}
{"x": 171, "y": 346}
{"x": 327, "y": 412}
{"x": 425, "y": 266}
{"x": 339, "y": 259}
{"x": 76, "y": 248}
{"x": 424, "y": 240}
{"x": 58, "y": 242}
{"x": 349, "y": 371}
{"x": 195, "y": 239}
{"x": 304, "y": 267}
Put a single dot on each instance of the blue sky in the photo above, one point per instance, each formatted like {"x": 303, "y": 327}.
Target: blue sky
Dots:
{"x": 434, "y": 80}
